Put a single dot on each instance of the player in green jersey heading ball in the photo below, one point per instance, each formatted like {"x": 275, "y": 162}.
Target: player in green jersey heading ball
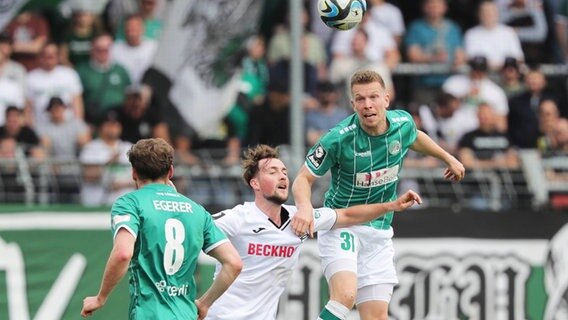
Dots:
{"x": 364, "y": 153}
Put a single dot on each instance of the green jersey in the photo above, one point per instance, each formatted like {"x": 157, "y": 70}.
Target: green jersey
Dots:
{"x": 171, "y": 230}
{"x": 364, "y": 169}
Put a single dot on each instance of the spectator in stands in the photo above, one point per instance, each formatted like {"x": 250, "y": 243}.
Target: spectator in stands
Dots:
{"x": 135, "y": 53}
{"x": 313, "y": 48}
{"x": 523, "y": 123}
{"x": 104, "y": 81}
{"x": 62, "y": 137}
{"x": 152, "y": 25}
{"x": 449, "y": 121}
{"x": 486, "y": 147}
{"x": 343, "y": 66}
{"x": 528, "y": 20}
{"x": 389, "y": 16}
{"x": 433, "y": 39}
{"x": 548, "y": 118}
{"x": 15, "y": 133}
{"x": 10, "y": 69}
{"x": 140, "y": 119}
{"x": 49, "y": 80}
{"x": 106, "y": 173}
{"x": 511, "y": 78}
{"x": 476, "y": 87}
{"x": 491, "y": 38}
{"x": 254, "y": 80}
{"x": 327, "y": 115}
{"x": 381, "y": 46}
{"x": 270, "y": 123}
{"x": 29, "y": 33}
{"x": 561, "y": 28}
{"x": 76, "y": 46}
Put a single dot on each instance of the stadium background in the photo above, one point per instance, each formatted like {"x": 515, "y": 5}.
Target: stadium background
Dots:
{"x": 507, "y": 260}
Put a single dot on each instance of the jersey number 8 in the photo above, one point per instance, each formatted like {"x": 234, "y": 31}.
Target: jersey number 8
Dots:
{"x": 174, "y": 250}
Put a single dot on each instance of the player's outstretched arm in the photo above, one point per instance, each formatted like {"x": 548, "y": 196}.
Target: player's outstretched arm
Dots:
{"x": 367, "y": 212}
{"x": 116, "y": 268}
{"x": 231, "y": 266}
{"x": 455, "y": 170}
{"x": 303, "y": 220}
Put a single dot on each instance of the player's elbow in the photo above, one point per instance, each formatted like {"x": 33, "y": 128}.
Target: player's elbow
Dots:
{"x": 234, "y": 265}
{"x": 122, "y": 255}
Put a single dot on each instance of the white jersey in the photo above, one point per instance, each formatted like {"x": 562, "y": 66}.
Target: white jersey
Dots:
{"x": 268, "y": 253}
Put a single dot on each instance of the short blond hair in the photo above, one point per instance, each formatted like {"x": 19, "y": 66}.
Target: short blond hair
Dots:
{"x": 367, "y": 76}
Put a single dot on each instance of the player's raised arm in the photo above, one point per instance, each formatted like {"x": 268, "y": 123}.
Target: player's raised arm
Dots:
{"x": 455, "y": 170}
{"x": 367, "y": 212}
{"x": 303, "y": 220}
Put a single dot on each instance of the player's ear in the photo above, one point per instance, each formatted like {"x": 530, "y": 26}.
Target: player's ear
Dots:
{"x": 171, "y": 172}
{"x": 254, "y": 184}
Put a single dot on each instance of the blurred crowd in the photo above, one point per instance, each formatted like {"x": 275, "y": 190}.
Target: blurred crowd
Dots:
{"x": 72, "y": 81}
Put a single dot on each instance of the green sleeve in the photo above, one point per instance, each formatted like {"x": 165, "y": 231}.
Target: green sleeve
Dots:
{"x": 321, "y": 156}
{"x": 125, "y": 215}
{"x": 212, "y": 235}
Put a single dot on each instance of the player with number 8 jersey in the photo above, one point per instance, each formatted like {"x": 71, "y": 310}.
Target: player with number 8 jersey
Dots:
{"x": 158, "y": 235}
{"x": 175, "y": 230}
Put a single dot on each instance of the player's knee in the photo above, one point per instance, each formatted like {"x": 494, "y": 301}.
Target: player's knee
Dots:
{"x": 346, "y": 298}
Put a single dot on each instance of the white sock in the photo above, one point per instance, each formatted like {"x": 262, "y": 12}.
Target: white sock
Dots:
{"x": 337, "y": 309}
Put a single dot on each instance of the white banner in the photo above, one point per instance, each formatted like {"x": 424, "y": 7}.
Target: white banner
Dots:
{"x": 8, "y": 9}
{"x": 197, "y": 53}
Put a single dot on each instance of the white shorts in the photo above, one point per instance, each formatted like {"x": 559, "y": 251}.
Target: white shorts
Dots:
{"x": 364, "y": 250}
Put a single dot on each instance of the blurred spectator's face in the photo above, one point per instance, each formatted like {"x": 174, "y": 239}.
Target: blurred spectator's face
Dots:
{"x": 359, "y": 43}
{"x": 447, "y": 110}
{"x": 548, "y": 116}
{"x": 5, "y": 51}
{"x": 256, "y": 48}
{"x": 486, "y": 117}
{"x": 134, "y": 30}
{"x": 110, "y": 130}
{"x": 100, "y": 52}
{"x": 510, "y": 73}
{"x": 14, "y": 122}
{"x": 535, "y": 81}
{"x": 49, "y": 57}
{"x": 134, "y": 106}
{"x": 57, "y": 113}
{"x": 488, "y": 14}
{"x": 328, "y": 98}
{"x": 84, "y": 19}
{"x": 147, "y": 7}
{"x": 435, "y": 9}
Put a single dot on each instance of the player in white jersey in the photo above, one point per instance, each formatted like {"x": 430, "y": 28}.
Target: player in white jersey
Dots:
{"x": 262, "y": 234}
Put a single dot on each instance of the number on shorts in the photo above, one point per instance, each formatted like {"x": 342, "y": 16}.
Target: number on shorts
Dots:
{"x": 174, "y": 251}
{"x": 348, "y": 243}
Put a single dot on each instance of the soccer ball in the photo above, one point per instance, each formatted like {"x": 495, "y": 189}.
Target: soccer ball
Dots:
{"x": 342, "y": 14}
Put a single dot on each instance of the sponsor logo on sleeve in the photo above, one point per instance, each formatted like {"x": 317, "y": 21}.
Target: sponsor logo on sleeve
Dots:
{"x": 317, "y": 156}
{"x": 120, "y": 219}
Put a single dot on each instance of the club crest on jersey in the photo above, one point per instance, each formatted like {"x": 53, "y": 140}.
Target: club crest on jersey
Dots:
{"x": 394, "y": 147}
{"x": 317, "y": 156}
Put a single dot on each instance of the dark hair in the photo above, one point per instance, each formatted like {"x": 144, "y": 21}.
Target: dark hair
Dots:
{"x": 10, "y": 109}
{"x": 444, "y": 99}
{"x": 55, "y": 101}
{"x": 151, "y": 158}
{"x": 253, "y": 156}
{"x": 367, "y": 76}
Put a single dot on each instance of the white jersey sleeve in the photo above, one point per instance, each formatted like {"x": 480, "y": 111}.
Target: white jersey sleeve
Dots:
{"x": 229, "y": 221}
{"x": 324, "y": 219}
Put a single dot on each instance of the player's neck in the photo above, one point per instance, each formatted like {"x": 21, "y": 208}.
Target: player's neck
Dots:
{"x": 270, "y": 209}
{"x": 141, "y": 183}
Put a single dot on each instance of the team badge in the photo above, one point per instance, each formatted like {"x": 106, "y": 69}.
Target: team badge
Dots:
{"x": 317, "y": 156}
{"x": 394, "y": 147}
